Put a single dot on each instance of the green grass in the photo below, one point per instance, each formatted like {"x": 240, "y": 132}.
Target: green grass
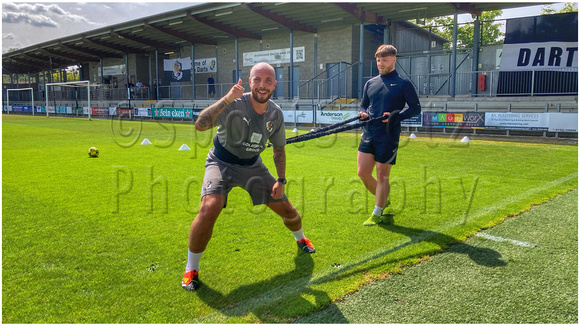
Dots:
{"x": 482, "y": 281}
{"x": 105, "y": 240}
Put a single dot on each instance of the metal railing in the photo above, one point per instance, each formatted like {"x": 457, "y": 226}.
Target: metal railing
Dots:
{"x": 309, "y": 89}
{"x": 341, "y": 85}
{"x": 562, "y": 81}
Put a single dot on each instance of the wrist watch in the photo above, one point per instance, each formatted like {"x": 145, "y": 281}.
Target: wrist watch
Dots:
{"x": 283, "y": 180}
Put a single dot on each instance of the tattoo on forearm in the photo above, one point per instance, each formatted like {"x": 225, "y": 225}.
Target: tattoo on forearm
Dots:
{"x": 280, "y": 161}
{"x": 207, "y": 117}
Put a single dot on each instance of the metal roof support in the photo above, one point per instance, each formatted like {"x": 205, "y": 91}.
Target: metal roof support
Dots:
{"x": 360, "y": 59}
{"x": 387, "y": 33}
{"x": 475, "y": 62}
{"x": 237, "y": 74}
{"x": 184, "y": 36}
{"x": 279, "y": 19}
{"x": 77, "y": 57}
{"x": 101, "y": 68}
{"x": 226, "y": 28}
{"x": 454, "y": 56}
{"x": 193, "y": 70}
{"x": 144, "y": 41}
{"x": 217, "y": 69}
{"x": 50, "y": 74}
{"x": 150, "y": 87}
{"x": 291, "y": 91}
{"x": 315, "y": 90}
{"x": 92, "y": 52}
{"x": 127, "y": 78}
{"x": 360, "y": 13}
{"x": 81, "y": 71}
{"x": 157, "y": 83}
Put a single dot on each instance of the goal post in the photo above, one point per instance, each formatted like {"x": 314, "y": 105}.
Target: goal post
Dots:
{"x": 16, "y": 90}
{"x": 77, "y": 84}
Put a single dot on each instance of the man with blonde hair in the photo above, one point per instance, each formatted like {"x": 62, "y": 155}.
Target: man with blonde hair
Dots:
{"x": 245, "y": 122}
{"x": 383, "y": 96}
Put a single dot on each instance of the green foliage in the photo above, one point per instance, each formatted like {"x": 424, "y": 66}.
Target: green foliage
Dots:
{"x": 490, "y": 30}
{"x": 104, "y": 240}
{"x": 23, "y": 79}
{"x": 568, "y": 7}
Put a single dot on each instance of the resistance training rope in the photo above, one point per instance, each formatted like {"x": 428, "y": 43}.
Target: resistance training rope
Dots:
{"x": 332, "y": 129}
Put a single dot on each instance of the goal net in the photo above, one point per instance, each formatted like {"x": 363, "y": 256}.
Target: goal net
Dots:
{"x": 20, "y": 100}
{"x": 69, "y": 98}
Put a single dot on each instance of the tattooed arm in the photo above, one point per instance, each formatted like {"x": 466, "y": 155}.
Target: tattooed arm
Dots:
{"x": 280, "y": 162}
{"x": 208, "y": 116}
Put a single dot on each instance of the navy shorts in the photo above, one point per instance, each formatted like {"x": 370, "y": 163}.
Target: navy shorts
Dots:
{"x": 383, "y": 146}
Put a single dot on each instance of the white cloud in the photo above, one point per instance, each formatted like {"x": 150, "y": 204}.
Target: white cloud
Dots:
{"x": 33, "y": 23}
{"x": 57, "y": 10}
{"x": 35, "y": 20}
{"x": 39, "y": 15}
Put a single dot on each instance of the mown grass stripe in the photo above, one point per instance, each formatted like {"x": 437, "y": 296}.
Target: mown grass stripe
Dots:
{"x": 248, "y": 305}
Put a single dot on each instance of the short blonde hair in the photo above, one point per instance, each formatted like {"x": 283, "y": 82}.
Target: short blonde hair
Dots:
{"x": 386, "y": 50}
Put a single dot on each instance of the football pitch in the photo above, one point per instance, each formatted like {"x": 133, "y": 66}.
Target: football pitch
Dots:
{"x": 104, "y": 240}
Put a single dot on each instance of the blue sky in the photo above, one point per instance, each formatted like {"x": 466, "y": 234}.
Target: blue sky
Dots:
{"x": 28, "y": 23}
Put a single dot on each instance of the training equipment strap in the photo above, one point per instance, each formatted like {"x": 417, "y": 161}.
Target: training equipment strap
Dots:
{"x": 332, "y": 129}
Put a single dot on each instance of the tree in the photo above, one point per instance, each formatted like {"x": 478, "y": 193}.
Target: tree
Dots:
{"x": 568, "y": 7}
{"x": 490, "y": 30}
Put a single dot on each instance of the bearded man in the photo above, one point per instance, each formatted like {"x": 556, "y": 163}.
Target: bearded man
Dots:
{"x": 245, "y": 122}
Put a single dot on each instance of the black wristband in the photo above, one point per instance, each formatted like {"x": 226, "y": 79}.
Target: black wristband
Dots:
{"x": 282, "y": 180}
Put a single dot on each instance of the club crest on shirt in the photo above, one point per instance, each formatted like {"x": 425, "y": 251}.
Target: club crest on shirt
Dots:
{"x": 269, "y": 126}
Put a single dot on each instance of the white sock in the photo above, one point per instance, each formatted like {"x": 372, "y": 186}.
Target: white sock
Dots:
{"x": 378, "y": 211}
{"x": 298, "y": 235}
{"x": 193, "y": 261}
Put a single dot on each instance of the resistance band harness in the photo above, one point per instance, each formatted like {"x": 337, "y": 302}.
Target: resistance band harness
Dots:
{"x": 332, "y": 129}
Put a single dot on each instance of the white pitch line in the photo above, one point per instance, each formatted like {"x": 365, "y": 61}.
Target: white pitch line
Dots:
{"x": 244, "y": 307}
{"x": 500, "y": 239}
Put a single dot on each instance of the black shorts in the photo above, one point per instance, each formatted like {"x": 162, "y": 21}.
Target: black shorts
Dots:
{"x": 383, "y": 146}
{"x": 220, "y": 177}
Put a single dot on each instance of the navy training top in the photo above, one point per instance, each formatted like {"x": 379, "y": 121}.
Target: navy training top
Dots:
{"x": 389, "y": 93}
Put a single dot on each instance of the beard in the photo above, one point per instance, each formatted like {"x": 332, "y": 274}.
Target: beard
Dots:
{"x": 256, "y": 96}
{"x": 386, "y": 71}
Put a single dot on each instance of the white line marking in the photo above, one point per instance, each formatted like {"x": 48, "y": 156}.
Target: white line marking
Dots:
{"x": 500, "y": 239}
{"x": 242, "y": 308}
